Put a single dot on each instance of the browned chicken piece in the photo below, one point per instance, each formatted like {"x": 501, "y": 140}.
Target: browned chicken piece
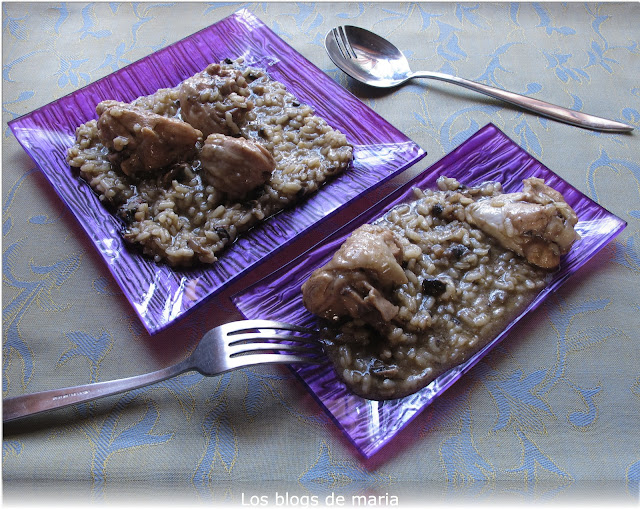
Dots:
{"x": 536, "y": 223}
{"x": 358, "y": 280}
{"x": 215, "y": 100}
{"x": 144, "y": 141}
{"x": 235, "y": 166}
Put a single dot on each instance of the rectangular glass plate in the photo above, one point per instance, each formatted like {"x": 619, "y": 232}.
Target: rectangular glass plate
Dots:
{"x": 158, "y": 293}
{"x": 487, "y": 155}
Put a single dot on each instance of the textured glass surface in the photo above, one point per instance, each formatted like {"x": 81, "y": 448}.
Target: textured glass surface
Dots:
{"x": 159, "y": 293}
{"x": 487, "y": 155}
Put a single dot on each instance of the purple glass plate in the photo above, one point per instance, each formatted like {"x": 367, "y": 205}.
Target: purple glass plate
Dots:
{"x": 487, "y": 155}
{"x": 159, "y": 293}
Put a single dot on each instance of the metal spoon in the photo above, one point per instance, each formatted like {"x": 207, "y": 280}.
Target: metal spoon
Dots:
{"x": 374, "y": 61}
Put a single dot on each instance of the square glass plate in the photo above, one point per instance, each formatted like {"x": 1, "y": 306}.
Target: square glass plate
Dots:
{"x": 487, "y": 155}
{"x": 159, "y": 293}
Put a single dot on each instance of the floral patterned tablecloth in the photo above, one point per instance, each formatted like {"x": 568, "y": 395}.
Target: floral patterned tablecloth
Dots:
{"x": 552, "y": 415}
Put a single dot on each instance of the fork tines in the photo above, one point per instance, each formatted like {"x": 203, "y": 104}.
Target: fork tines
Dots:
{"x": 343, "y": 43}
{"x": 299, "y": 343}
{"x": 240, "y": 327}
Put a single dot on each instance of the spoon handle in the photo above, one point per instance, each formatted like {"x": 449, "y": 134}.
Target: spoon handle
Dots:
{"x": 546, "y": 109}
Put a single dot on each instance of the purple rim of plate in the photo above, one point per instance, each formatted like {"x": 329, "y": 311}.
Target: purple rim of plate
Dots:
{"x": 158, "y": 293}
{"x": 487, "y": 155}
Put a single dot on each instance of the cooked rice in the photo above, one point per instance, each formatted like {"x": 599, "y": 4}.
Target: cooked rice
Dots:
{"x": 177, "y": 217}
{"x": 485, "y": 287}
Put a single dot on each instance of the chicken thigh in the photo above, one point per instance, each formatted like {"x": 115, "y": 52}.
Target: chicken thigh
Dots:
{"x": 235, "y": 166}
{"x": 144, "y": 141}
{"x": 215, "y": 100}
{"x": 536, "y": 223}
{"x": 358, "y": 280}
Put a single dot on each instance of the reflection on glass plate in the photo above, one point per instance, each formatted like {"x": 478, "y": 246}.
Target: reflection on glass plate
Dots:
{"x": 487, "y": 155}
{"x": 158, "y": 293}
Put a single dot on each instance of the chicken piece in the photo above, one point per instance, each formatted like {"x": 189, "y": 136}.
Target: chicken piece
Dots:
{"x": 215, "y": 100}
{"x": 536, "y": 223}
{"x": 235, "y": 166}
{"x": 358, "y": 280}
{"x": 142, "y": 140}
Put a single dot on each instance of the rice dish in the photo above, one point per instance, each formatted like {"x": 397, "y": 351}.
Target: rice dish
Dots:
{"x": 430, "y": 283}
{"x": 189, "y": 168}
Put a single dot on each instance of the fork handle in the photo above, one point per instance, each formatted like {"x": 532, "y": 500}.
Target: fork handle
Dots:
{"x": 546, "y": 109}
{"x": 30, "y": 404}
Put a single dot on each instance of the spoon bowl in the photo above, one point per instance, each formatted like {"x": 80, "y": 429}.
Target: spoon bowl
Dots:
{"x": 368, "y": 57}
{"x": 376, "y": 62}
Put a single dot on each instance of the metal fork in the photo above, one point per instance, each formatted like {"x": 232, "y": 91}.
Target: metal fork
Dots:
{"x": 227, "y": 347}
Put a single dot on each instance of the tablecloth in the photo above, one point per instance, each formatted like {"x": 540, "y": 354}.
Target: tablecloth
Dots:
{"x": 550, "y": 416}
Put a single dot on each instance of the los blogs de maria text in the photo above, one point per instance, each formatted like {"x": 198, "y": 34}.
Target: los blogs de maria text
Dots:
{"x": 332, "y": 500}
